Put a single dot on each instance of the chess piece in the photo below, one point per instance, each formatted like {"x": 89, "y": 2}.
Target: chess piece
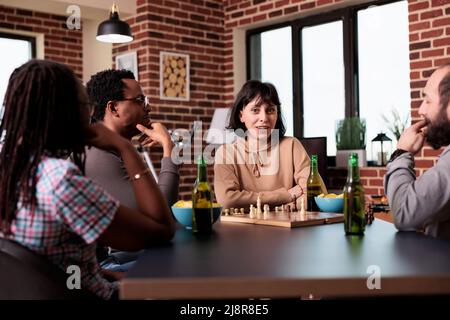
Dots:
{"x": 242, "y": 211}
{"x": 369, "y": 216}
{"x": 258, "y": 205}
{"x": 266, "y": 211}
{"x": 226, "y": 212}
{"x": 259, "y": 213}
{"x": 236, "y": 211}
{"x": 282, "y": 209}
{"x": 252, "y": 212}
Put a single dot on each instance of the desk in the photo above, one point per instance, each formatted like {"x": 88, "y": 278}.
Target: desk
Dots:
{"x": 242, "y": 261}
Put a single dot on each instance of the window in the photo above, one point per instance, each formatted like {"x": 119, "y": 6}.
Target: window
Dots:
{"x": 15, "y": 50}
{"x": 323, "y": 81}
{"x": 383, "y": 55}
{"x": 271, "y": 56}
{"x": 349, "y": 62}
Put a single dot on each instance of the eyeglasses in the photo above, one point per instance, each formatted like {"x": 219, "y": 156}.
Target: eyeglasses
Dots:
{"x": 141, "y": 100}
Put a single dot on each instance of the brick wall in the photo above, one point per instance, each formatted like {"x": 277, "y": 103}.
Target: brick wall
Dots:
{"x": 371, "y": 178}
{"x": 429, "y": 36}
{"x": 61, "y": 44}
{"x": 193, "y": 27}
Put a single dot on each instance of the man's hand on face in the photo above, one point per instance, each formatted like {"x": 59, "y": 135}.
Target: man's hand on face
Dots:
{"x": 157, "y": 134}
{"x": 412, "y": 139}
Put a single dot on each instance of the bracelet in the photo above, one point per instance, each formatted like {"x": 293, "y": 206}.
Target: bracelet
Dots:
{"x": 139, "y": 175}
{"x": 396, "y": 154}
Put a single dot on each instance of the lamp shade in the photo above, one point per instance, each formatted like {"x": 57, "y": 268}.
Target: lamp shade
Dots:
{"x": 114, "y": 30}
{"x": 217, "y": 133}
{"x": 381, "y": 137}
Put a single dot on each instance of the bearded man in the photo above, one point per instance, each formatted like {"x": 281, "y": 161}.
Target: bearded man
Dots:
{"x": 423, "y": 203}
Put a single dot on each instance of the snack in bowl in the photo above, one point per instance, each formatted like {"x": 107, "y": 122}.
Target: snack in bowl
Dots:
{"x": 330, "y": 202}
{"x": 331, "y": 196}
{"x": 182, "y": 210}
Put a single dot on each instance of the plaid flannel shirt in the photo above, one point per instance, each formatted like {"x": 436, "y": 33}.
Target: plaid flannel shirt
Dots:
{"x": 71, "y": 213}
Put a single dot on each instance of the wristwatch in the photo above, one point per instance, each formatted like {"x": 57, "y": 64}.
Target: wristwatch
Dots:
{"x": 396, "y": 154}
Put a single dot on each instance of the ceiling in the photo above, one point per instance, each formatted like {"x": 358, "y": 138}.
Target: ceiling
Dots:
{"x": 96, "y": 10}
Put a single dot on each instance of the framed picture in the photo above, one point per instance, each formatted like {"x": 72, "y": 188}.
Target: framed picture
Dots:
{"x": 128, "y": 61}
{"x": 174, "y": 76}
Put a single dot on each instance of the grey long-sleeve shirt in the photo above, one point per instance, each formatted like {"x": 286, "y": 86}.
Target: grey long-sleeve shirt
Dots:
{"x": 423, "y": 202}
{"x": 107, "y": 169}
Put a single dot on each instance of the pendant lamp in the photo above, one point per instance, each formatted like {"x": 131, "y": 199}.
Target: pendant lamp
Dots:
{"x": 114, "y": 30}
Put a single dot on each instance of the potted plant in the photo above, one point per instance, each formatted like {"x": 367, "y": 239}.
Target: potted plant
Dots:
{"x": 350, "y": 138}
{"x": 395, "y": 124}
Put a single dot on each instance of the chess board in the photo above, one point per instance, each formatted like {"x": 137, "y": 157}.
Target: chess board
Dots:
{"x": 284, "y": 220}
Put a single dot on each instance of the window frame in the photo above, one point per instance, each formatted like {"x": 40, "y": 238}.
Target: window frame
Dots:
{"x": 15, "y": 36}
{"x": 349, "y": 18}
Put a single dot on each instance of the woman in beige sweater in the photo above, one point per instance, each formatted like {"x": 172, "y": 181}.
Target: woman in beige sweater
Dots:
{"x": 262, "y": 161}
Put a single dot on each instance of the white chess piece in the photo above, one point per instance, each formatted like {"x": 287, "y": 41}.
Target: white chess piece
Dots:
{"x": 259, "y": 212}
{"x": 252, "y": 214}
{"x": 258, "y": 205}
{"x": 266, "y": 211}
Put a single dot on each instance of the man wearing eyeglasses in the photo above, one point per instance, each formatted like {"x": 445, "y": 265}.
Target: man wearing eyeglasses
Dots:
{"x": 120, "y": 104}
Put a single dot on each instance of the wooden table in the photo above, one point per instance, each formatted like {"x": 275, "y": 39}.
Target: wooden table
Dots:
{"x": 251, "y": 261}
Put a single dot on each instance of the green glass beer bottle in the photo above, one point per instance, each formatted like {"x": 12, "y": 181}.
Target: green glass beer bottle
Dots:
{"x": 354, "y": 202}
{"x": 202, "y": 215}
{"x": 314, "y": 185}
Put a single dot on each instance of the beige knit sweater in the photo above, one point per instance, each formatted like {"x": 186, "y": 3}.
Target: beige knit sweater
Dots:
{"x": 241, "y": 173}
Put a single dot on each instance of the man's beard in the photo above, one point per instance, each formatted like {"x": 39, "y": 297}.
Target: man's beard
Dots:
{"x": 438, "y": 131}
